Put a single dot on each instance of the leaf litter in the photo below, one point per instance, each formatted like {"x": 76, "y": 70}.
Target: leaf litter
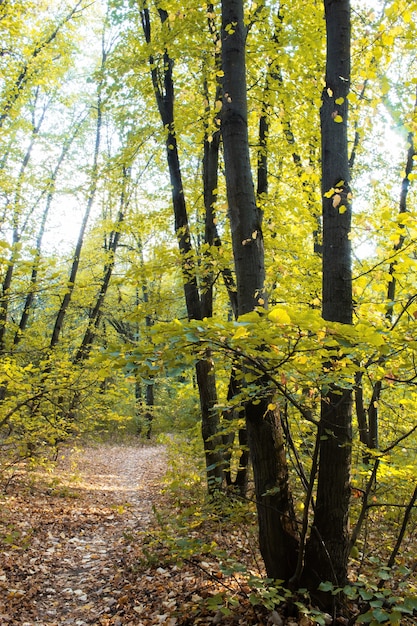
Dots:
{"x": 70, "y": 553}
{"x": 79, "y": 546}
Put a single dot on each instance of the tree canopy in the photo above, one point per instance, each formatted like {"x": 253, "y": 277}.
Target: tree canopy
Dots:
{"x": 208, "y": 217}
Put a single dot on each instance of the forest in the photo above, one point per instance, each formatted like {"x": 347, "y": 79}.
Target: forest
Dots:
{"x": 208, "y": 243}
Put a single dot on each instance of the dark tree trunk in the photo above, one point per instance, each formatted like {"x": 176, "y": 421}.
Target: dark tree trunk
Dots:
{"x": 211, "y": 237}
{"x": 327, "y": 549}
{"x": 262, "y": 185}
{"x": 278, "y": 536}
{"x": 163, "y": 85}
{"x": 245, "y": 217}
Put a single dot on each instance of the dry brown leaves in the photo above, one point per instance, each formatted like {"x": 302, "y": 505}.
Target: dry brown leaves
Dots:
{"x": 70, "y": 553}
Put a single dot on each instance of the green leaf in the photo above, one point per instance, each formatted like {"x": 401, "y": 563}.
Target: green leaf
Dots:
{"x": 326, "y": 586}
{"x": 380, "y": 615}
{"x": 366, "y": 618}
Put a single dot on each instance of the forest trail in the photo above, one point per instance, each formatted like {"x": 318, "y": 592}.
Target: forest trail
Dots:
{"x": 65, "y": 537}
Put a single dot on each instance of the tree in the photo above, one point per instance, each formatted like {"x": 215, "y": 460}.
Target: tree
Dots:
{"x": 163, "y": 85}
{"x": 328, "y": 547}
{"x": 243, "y": 280}
{"x": 277, "y": 532}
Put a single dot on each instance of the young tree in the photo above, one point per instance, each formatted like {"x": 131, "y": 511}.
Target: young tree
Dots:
{"x": 277, "y": 530}
{"x": 328, "y": 547}
{"x": 163, "y": 85}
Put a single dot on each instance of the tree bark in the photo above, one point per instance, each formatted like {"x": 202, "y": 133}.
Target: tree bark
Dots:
{"x": 277, "y": 532}
{"x": 328, "y": 546}
{"x": 163, "y": 84}
{"x": 245, "y": 217}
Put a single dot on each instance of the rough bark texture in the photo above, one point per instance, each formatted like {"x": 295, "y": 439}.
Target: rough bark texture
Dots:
{"x": 163, "y": 85}
{"x": 278, "y": 538}
{"x": 245, "y": 217}
{"x": 278, "y": 535}
{"x": 337, "y": 276}
{"x": 327, "y": 550}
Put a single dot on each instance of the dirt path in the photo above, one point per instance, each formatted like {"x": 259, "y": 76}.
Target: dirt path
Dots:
{"x": 65, "y": 541}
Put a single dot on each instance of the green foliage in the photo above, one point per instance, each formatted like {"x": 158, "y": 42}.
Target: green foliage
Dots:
{"x": 48, "y": 125}
{"x": 379, "y": 606}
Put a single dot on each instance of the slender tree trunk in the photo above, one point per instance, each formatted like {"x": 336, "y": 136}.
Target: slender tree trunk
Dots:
{"x": 17, "y": 228}
{"x": 164, "y": 93}
{"x": 96, "y": 313}
{"x": 277, "y": 532}
{"x": 59, "y": 320}
{"x": 327, "y": 549}
{"x": 35, "y": 268}
{"x": 150, "y": 387}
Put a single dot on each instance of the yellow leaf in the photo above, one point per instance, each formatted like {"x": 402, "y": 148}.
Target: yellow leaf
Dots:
{"x": 387, "y": 39}
{"x": 279, "y": 316}
{"x": 272, "y": 407}
{"x": 241, "y": 332}
{"x": 338, "y": 119}
{"x": 340, "y": 100}
{"x": 329, "y": 193}
{"x": 342, "y": 209}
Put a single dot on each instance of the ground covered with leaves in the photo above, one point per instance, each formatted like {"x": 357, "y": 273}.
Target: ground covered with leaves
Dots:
{"x": 78, "y": 547}
{"x": 99, "y": 539}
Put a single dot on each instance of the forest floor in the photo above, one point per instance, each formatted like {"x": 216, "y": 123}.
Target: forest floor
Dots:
{"x": 71, "y": 547}
{"x": 92, "y": 540}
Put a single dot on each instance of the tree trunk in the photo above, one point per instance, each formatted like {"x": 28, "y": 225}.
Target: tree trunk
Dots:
{"x": 17, "y": 234}
{"x": 96, "y": 312}
{"x": 90, "y": 200}
{"x": 327, "y": 549}
{"x": 277, "y": 533}
{"x": 245, "y": 217}
{"x": 164, "y": 93}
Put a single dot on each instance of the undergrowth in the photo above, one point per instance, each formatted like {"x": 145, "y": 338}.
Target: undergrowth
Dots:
{"x": 217, "y": 535}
